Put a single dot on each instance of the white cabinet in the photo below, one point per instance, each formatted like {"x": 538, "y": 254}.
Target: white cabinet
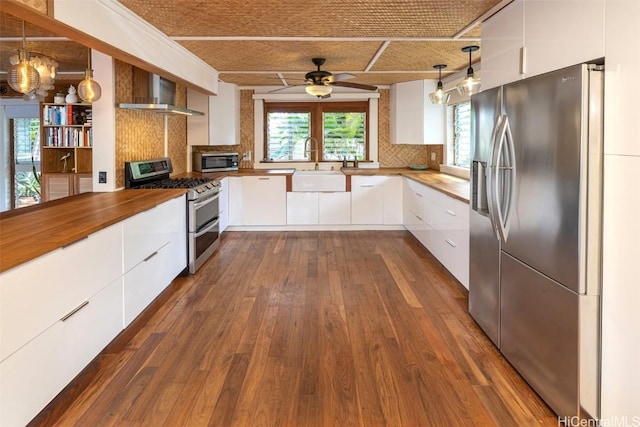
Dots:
{"x": 554, "y": 35}
{"x": 441, "y": 224}
{"x": 323, "y": 208}
{"x": 334, "y": 208}
{"x": 37, "y": 294}
{"x": 502, "y": 43}
{"x": 32, "y": 376}
{"x": 154, "y": 253}
{"x": 413, "y": 118}
{"x": 236, "y": 211}
{"x": 223, "y": 203}
{"x": 302, "y": 208}
{"x": 264, "y": 200}
{"x": 221, "y": 123}
{"x": 376, "y": 200}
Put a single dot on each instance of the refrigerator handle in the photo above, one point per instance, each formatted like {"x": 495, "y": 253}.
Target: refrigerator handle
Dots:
{"x": 492, "y": 177}
{"x": 505, "y": 178}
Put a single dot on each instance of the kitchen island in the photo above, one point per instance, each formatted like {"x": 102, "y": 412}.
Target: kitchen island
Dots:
{"x": 28, "y": 233}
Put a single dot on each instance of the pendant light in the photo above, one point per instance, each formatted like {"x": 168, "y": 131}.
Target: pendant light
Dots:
{"x": 23, "y": 76}
{"x": 470, "y": 84}
{"x": 89, "y": 90}
{"x": 439, "y": 96}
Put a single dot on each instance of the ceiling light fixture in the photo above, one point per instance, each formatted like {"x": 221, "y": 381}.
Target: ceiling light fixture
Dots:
{"x": 439, "y": 96}
{"x": 89, "y": 90}
{"x": 470, "y": 84}
{"x": 318, "y": 90}
{"x": 23, "y": 76}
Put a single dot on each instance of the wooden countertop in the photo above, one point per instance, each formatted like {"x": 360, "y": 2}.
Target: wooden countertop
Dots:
{"x": 28, "y": 233}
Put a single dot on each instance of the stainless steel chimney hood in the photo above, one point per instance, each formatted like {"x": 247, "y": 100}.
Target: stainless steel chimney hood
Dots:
{"x": 155, "y": 94}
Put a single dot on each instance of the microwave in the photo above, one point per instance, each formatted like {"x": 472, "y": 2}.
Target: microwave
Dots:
{"x": 215, "y": 162}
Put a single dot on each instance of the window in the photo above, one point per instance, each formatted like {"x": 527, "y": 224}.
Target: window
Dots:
{"x": 339, "y": 129}
{"x": 461, "y": 142}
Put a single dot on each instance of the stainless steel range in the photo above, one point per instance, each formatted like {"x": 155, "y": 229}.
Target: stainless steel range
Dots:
{"x": 203, "y": 214}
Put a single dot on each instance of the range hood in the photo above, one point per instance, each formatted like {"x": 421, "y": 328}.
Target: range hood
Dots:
{"x": 155, "y": 94}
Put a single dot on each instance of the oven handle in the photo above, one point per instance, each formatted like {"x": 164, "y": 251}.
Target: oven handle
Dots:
{"x": 198, "y": 205}
{"x": 208, "y": 228}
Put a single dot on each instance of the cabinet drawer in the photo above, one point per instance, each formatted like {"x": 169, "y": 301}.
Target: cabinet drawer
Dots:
{"x": 35, "y": 295}
{"x": 143, "y": 283}
{"x": 148, "y": 231}
{"x": 334, "y": 208}
{"x": 32, "y": 376}
{"x": 453, "y": 253}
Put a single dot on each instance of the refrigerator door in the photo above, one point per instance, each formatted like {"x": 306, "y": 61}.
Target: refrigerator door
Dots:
{"x": 545, "y": 115}
{"x": 540, "y": 333}
{"x": 484, "y": 247}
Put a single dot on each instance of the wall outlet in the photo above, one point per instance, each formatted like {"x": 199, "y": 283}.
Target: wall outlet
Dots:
{"x": 247, "y": 156}
{"x": 433, "y": 156}
{"x": 102, "y": 177}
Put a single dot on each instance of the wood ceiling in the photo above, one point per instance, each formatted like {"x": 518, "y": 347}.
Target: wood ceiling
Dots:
{"x": 270, "y": 42}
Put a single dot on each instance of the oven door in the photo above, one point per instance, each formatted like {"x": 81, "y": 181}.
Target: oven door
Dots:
{"x": 202, "y": 212}
{"x": 203, "y": 244}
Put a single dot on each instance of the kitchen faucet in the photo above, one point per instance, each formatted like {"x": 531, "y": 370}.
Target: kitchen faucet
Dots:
{"x": 309, "y": 150}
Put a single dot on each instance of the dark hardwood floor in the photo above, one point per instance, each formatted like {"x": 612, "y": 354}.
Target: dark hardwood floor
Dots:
{"x": 305, "y": 329}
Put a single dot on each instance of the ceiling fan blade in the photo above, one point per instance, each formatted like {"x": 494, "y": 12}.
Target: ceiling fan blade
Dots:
{"x": 343, "y": 76}
{"x": 355, "y": 85}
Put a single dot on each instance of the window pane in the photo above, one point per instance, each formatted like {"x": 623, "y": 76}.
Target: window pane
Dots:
{"x": 286, "y": 134}
{"x": 462, "y": 134}
{"x": 344, "y": 136}
{"x": 26, "y": 133}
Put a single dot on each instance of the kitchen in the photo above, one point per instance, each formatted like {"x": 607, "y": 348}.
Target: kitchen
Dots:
{"x": 620, "y": 245}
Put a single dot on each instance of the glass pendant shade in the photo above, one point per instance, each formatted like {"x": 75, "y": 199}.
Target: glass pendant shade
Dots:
{"x": 470, "y": 84}
{"x": 439, "y": 96}
{"x": 89, "y": 90}
{"x": 318, "y": 90}
{"x": 23, "y": 77}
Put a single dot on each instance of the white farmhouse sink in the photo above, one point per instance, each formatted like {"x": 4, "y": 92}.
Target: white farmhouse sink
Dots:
{"x": 318, "y": 181}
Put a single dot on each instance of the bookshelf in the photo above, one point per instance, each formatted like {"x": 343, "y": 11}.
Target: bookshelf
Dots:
{"x": 66, "y": 157}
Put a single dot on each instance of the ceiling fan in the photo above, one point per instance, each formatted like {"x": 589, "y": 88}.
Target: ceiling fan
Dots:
{"x": 318, "y": 83}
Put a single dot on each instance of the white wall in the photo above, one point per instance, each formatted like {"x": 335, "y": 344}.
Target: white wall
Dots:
{"x": 621, "y": 228}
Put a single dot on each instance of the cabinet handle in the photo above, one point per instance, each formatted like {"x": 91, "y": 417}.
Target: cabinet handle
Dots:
{"x": 263, "y": 179}
{"x": 75, "y": 310}
{"x": 419, "y": 218}
{"x": 367, "y": 185}
{"x": 150, "y": 256}
{"x": 452, "y": 213}
{"x": 418, "y": 194}
{"x": 450, "y": 243}
{"x": 74, "y": 242}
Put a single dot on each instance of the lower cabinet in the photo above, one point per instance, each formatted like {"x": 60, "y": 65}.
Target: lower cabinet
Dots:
{"x": 376, "y": 200}
{"x": 318, "y": 208}
{"x": 32, "y": 376}
{"x": 441, "y": 224}
{"x": 264, "y": 200}
{"x": 223, "y": 203}
{"x": 58, "y": 311}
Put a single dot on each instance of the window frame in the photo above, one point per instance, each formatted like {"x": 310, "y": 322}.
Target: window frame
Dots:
{"x": 316, "y": 110}
{"x": 452, "y": 160}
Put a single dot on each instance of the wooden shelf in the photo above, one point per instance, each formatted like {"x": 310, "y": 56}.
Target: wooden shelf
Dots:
{"x": 66, "y": 142}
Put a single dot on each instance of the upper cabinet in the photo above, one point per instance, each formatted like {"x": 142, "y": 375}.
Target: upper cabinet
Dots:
{"x": 413, "y": 119}
{"x": 532, "y": 37}
{"x": 220, "y": 124}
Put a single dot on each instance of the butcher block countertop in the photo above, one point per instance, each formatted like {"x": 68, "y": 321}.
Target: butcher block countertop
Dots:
{"x": 28, "y": 233}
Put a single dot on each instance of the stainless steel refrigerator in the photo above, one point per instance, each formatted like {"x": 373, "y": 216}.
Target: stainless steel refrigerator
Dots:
{"x": 535, "y": 241}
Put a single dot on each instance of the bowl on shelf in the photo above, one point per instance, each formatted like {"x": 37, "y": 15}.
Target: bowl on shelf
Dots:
{"x": 418, "y": 167}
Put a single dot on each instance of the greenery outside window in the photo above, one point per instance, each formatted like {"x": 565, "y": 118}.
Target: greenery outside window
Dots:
{"x": 339, "y": 129}
{"x": 461, "y": 143}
